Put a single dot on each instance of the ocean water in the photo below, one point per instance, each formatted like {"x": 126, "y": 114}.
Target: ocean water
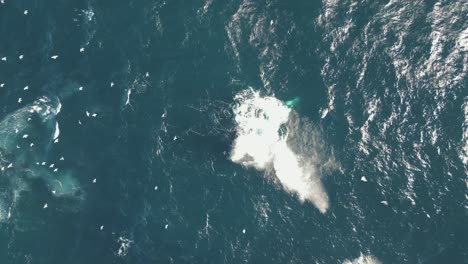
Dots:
{"x": 233, "y": 131}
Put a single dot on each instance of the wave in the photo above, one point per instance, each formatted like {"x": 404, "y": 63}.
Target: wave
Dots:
{"x": 418, "y": 50}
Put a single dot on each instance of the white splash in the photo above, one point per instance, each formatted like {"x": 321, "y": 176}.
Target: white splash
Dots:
{"x": 262, "y": 143}
{"x": 258, "y": 119}
{"x": 89, "y": 14}
{"x": 363, "y": 259}
{"x": 124, "y": 246}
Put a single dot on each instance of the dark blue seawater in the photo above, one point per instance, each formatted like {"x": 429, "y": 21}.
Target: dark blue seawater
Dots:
{"x": 120, "y": 120}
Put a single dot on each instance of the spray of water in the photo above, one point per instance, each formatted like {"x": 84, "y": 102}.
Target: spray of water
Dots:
{"x": 363, "y": 259}
{"x": 268, "y": 137}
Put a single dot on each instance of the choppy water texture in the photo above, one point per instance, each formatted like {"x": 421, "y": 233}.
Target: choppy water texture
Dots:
{"x": 233, "y": 131}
